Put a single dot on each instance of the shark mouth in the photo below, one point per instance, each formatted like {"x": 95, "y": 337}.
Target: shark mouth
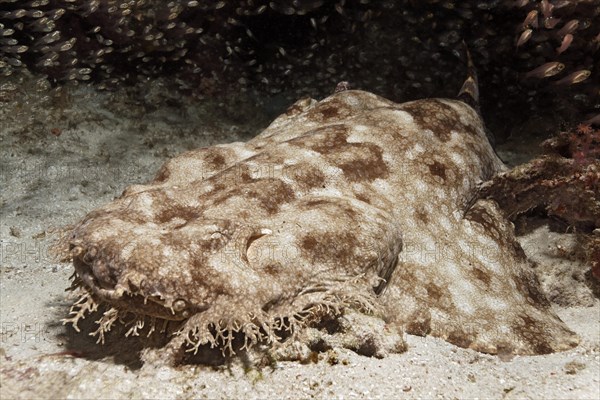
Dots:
{"x": 128, "y": 292}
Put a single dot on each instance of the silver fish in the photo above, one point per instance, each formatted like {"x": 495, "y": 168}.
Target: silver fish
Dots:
{"x": 545, "y": 71}
{"x": 546, "y": 8}
{"x": 575, "y": 77}
{"x": 531, "y": 20}
{"x": 566, "y": 42}
{"x": 524, "y": 37}
{"x": 569, "y": 27}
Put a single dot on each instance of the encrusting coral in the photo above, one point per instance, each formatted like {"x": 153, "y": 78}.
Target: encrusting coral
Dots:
{"x": 565, "y": 182}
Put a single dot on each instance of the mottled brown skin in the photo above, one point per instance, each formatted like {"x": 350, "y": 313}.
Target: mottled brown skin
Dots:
{"x": 351, "y": 202}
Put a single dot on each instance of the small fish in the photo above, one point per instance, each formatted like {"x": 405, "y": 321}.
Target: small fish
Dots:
{"x": 525, "y": 36}
{"x": 50, "y": 37}
{"x": 521, "y": 3}
{"x": 531, "y": 20}
{"x": 546, "y": 8}
{"x": 562, "y": 3}
{"x": 550, "y": 23}
{"x": 569, "y": 27}
{"x": 566, "y": 42}
{"x": 575, "y": 77}
{"x": 16, "y": 14}
{"x": 545, "y": 71}
{"x": 56, "y": 14}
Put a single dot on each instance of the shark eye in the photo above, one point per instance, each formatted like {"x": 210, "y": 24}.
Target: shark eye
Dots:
{"x": 253, "y": 237}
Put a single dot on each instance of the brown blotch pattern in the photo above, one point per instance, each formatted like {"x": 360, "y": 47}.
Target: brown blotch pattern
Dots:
{"x": 433, "y": 291}
{"x": 331, "y": 208}
{"x": 308, "y": 177}
{"x": 334, "y": 109}
{"x": 176, "y": 211}
{"x": 329, "y": 112}
{"x": 530, "y": 331}
{"x": 325, "y": 140}
{"x": 272, "y": 269}
{"x": 419, "y": 323}
{"x": 336, "y": 247}
{"x": 421, "y": 215}
{"x": 481, "y": 216}
{"x": 362, "y": 197}
{"x": 438, "y": 117}
{"x": 162, "y": 175}
{"x": 271, "y": 194}
{"x": 215, "y": 159}
{"x": 459, "y": 338}
{"x": 438, "y": 169}
{"x": 367, "y": 165}
{"x": 481, "y": 275}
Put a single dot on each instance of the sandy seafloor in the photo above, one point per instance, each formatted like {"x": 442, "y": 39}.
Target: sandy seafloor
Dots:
{"x": 107, "y": 142}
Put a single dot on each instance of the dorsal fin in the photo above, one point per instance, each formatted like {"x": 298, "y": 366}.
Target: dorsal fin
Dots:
{"x": 469, "y": 92}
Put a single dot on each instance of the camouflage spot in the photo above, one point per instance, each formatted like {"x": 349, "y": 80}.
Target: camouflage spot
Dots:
{"x": 308, "y": 178}
{"x": 532, "y": 332}
{"x": 481, "y": 275}
{"x": 332, "y": 208}
{"x": 433, "y": 291}
{"x": 438, "y": 117}
{"x": 215, "y": 160}
{"x": 420, "y": 323}
{"x": 518, "y": 250}
{"x": 368, "y": 164}
{"x": 163, "y": 174}
{"x": 332, "y": 109}
{"x": 200, "y": 273}
{"x": 362, "y": 197}
{"x": 331, "y": 247}
{"x": 325, "y": 140}
{"x": 169, "y": 213}
{"x": 217, "y": 187}
{"x": 459, "y": 338}
{"x": 421, "y": 215}
{"x": 329, "y": 112}
{"x": 272, "y": 269}
{"x": 438, "y": 169}
{"x": 481, "y": 216}
{"x": 308, "y": 243}
{"x": 269, "y": 193}
{"x": 314, "y": 203}
{"x": 245, "y": 176}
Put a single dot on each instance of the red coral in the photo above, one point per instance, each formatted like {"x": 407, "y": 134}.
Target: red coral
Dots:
{"x": 584, "y": 144}
{"x": 584, "y": 129}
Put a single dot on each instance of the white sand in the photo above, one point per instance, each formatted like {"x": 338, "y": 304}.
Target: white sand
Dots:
{"x": 110, "y": 142}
